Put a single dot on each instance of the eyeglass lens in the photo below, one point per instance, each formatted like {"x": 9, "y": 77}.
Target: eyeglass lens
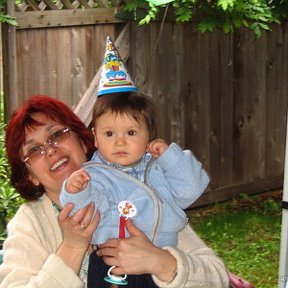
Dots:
{"x": 53, "y": 140}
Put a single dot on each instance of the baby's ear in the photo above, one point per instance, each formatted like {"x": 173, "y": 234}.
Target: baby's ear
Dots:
{"x": 95, "y": 142}
{"x": 148, "y": 149}
{"x": 95, "y": 139}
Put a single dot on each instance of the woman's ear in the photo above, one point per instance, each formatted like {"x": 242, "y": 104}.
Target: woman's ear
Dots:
{"x": 33, "y": 180}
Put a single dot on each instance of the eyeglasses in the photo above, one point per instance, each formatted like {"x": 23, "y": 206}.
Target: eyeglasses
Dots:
{"x": 36, "y": 152}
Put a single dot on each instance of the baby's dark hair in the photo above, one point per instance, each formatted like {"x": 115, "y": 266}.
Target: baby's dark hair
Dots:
{"x": 135, "y": 104}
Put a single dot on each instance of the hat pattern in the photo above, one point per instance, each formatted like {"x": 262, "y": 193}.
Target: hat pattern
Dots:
{"x": 114, "y": 76}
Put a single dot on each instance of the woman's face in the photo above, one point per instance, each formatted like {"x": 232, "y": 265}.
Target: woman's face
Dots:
{"x": 58, "y": 161}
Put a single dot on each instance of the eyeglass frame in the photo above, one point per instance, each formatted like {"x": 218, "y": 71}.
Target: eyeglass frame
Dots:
{"x": 48, "y": 143}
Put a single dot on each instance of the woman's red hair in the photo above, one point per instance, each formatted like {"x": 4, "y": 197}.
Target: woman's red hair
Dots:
{"x": 21, "y": 118}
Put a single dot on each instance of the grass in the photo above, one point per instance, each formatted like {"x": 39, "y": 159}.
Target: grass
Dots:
{"x": 245, "y": 233}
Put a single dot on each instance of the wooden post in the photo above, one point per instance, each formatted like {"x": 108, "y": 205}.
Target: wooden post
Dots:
{"x": 283, "y": 265}
{"x": 10, "y": 63}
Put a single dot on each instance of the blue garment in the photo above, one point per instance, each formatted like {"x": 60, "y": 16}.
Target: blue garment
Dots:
{"x": 171, "y": 183}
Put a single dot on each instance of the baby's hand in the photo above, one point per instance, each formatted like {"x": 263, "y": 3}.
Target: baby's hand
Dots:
{"x": 157, "y": 147}
{"x": 77, "y": 181}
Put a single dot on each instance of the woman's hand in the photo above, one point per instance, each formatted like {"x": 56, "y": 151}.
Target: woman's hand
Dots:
{"x": 77, "y": 234}
{"x": 137, "y": 255}
{"x": 78, "y": 229}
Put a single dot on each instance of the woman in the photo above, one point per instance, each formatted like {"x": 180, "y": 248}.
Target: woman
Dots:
{"x": 45, "y": 247}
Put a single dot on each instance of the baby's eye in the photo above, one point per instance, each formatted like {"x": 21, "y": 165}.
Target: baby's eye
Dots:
{"x": 109, "y": 133}
{"x": 132, "y": 133}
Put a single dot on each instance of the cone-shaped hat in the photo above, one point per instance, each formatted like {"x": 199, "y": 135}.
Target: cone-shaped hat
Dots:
{"x": 114, "y": 76}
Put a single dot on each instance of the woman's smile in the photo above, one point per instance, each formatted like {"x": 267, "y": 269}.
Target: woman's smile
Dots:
{"x": 60, "y": 164}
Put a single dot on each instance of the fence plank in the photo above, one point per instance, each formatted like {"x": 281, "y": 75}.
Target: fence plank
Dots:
{"x": 69, "y": 17}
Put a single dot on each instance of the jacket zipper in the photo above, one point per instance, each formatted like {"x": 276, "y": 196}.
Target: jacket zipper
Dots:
{"x": 145, "y": 185}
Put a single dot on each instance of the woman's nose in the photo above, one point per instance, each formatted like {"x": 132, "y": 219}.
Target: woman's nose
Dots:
{"x": 50, "y": 150}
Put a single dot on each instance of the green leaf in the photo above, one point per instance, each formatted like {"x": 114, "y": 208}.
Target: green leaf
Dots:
{"x": 227, "y": 27}
{"x": 227, "y": 15}
{"x": 224, "y": 4}
{"x": 206, "y": 26}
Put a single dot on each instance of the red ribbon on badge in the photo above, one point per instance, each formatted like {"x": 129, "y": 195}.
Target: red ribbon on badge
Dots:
{"x": 122, "y": 224}
{"x": 126, "y": 210}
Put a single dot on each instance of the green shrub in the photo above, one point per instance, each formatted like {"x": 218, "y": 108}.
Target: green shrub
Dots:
{"x": 10, "y": 200}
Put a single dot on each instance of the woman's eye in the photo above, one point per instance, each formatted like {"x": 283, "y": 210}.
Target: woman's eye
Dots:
{"x": 56, "y": 134}
{"x": 34, "y": 150}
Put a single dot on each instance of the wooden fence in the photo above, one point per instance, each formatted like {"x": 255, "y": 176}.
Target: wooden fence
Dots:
{"x": 222, "y": 96}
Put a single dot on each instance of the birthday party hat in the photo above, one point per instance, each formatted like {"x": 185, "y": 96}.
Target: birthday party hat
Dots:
{"x": 114, "y": 76}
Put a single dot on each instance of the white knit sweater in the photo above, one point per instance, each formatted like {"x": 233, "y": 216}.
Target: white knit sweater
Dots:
{"x": 34, "y": 235}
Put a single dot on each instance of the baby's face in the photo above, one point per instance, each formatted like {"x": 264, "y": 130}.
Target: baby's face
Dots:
{"x": 120, "y": 139}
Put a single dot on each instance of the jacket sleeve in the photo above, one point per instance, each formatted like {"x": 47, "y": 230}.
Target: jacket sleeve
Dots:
{"x": 80, "y": 199}
{"x": 184, "y": 173}
{"x": 29, "y": 256}
{"x": 197, "y": 265}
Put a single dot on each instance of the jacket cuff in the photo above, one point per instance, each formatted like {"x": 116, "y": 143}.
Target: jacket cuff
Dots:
{"x": 170, "y": 157}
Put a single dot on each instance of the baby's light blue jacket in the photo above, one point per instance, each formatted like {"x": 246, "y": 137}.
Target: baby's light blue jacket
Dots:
{"x": 172, "y": 183}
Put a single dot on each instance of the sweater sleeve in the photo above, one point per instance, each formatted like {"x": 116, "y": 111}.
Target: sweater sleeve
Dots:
{"x": 197, "y": 265}
{"x": 185, "y": 175}
{"x": 29, "y": 255}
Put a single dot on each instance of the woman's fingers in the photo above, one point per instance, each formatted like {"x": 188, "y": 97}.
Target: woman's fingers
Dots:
{"x": 133, "y": 229}
{"x": 83, "y": 217}
{"x": 108, "y": 248}
{"x": 87, "y": 216}
{"x": 65, "y": 212}
{"x": 92, "y": 225}
{"x": 78, "y": 229}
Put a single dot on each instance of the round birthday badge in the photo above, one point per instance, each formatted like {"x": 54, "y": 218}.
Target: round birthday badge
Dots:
{"x": 127, "y": 209}
{"x": 115, "y": 279}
